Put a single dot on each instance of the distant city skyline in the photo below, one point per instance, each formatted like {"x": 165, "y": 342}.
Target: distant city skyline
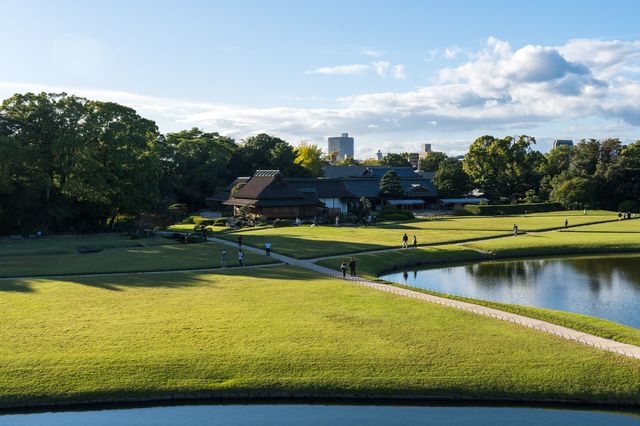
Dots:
{"x": 393, "y": 75}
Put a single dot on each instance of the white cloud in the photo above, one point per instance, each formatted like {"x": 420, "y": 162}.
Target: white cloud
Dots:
{"x": 496, "y": 90}
{"x": 371, "y": 52}
{"x": 452, "y": 52}
{"x": 340, "y": 69}
{"x": 380, "y": 67}
{"x": 399, "y": 72}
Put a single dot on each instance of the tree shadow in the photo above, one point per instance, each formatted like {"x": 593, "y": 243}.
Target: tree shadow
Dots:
{"x": 174, "y": 280}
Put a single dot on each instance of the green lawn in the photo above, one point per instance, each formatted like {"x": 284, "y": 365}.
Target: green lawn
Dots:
{"x": 526, "y": 223}
{"x": 69, "y": 244}
{"x": 306, "y": 242}
{"x": 130, "y": 259}
{"x": 375, "y": 264}
{"x": 276, "y": 329}
{"x": 606, "y": 238}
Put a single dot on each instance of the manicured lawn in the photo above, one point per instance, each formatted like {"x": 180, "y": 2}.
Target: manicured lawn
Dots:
{"x": 276, "y": 329}
{"x": 131, "y": 259}
{"x": 69, "y": 244}
{"x": 613, "y": 238}
{"x": 306, "y": 242}
{"x": 618, "y": 226}
{"x": 374, "y": 264}
{"x": 526, "y": 223}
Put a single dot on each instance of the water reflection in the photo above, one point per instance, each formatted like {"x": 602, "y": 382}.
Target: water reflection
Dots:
{"x": 602, "y": 286}
{"x": 321, "y": 415}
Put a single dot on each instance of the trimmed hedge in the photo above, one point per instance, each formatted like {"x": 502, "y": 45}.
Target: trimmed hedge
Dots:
{"x": 221, "y": 221}
{"x": 509, "y": 209}
{"x": 203, "y": 222}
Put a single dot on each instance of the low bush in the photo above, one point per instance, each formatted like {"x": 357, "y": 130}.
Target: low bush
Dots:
{"x": 203, "y": 222}
{"x": 509, "y": 209}
{"x": 631, "y": 206}
{"x": 279, "y": 223}
{"x": 221, "y": 221}
{"x": 394, "y": 216}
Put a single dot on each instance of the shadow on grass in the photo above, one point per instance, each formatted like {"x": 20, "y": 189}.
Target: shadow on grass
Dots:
{"x": 174, "y": 280}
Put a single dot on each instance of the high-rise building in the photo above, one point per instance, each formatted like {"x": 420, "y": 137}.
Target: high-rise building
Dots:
{"x": 379, "y": 155}
{"x": 414, "y": 160}
{"x": 343, "y": 145}
{"x": 563, "y": 142}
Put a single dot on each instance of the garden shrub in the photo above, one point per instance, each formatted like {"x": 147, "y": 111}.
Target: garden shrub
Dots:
{"x": 204, "y": 222}
{"x": 279, "y": 223}
{"x": 631, "y": 206}
{"x": 221, "y": 221}
{"x": 509, "y": 209}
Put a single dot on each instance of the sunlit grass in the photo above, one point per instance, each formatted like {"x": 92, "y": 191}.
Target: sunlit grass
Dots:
{"x": 276, "y": 329}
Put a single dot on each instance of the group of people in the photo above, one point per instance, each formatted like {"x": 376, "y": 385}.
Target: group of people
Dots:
{"x": 352, "y": 267}
{"x": 627, "y": 215}
{"x": 405, "y": 241}
{"x": 223, "y": 260}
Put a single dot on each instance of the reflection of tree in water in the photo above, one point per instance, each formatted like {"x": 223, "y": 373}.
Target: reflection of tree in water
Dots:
{"x": 494, "y": 274}
{"x": 601, "y": 271}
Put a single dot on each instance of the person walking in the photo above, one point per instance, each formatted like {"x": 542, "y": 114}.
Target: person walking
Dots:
{"x": 566, "y": 223}
{"x": 240, "y": 239}
{"x": 223, "y": 260}
{"x": 343, "y": 268}
{"x": 267, "y": 248}
{"x": 405, "y": 240}
{"x": 337, "y": 220}
{"x": 240, "y": 257}
{"x": 352, "y": 267}
{"x": 515, "y": 230}
{"x": 415, "y": 242}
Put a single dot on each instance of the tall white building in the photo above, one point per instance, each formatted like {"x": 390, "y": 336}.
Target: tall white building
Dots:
{"x": 343, "y": 145}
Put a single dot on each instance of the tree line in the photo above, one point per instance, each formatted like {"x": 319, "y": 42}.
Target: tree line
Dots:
{"x": 72, "y": 164}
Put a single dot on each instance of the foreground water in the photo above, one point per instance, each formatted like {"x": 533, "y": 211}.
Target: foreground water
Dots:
{"x": 601, "y": 286}
{"x": 316, "y": 415}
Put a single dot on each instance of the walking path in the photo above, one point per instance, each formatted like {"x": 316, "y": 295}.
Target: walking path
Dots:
{"x": 547, "y": 327}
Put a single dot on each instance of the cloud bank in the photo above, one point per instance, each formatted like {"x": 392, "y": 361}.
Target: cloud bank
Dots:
{"x": 495, "y": 88}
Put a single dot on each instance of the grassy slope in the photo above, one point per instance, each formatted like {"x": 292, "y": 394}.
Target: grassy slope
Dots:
{"x": 607, "y": 237}
{"x": 69, "y": 244}
{"x": 134, "y": 259}
{"x": 375, "y": 264}
{"x": 278, "y": 329}
{"x": 305, "y": 242}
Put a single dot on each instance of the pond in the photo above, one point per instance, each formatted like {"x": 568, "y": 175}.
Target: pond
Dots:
{"x": 601, "y": 286}
{"x": 317, "y": 415}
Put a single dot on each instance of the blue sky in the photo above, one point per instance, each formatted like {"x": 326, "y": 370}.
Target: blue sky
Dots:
{"x": 394, "y": 74}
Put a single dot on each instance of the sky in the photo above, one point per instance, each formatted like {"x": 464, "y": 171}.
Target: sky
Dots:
{"x": 393, "y": 74}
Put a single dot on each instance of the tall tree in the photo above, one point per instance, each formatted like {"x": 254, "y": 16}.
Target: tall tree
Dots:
{"x": 395, "y": 160}
{"x": 431, "y": 162}
{"x": 505, "y": 167}
{"x": 265, "y": 152}
{"x": 199, "y": 165}
{"x": 390, "y": 185}
{"x": 309, "y": 156}
{"x": 450, "y": 179}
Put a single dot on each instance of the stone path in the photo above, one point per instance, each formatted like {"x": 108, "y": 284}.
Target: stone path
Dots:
{"x": 543, "y": 326}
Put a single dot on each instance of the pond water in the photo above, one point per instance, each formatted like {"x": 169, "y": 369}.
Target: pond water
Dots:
{"x": 601, "y": 286}
{"x": 317, "y": 415}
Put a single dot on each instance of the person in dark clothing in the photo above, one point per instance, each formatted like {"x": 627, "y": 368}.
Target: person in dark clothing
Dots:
{"x": 343, "y": 268}
{"x": 352, "y": 266}
{"x": 515, "y": 230}
{"x": 415, "y": 242}
{"x": 240, "y": 242}
{"x": 566, "y": 223}
{"x": 405, "y": 240}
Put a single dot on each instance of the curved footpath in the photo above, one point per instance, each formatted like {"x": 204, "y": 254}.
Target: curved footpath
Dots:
{"x": 547, "y": 327}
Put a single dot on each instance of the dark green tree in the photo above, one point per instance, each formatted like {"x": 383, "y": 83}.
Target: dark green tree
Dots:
{"x": 395, "y": 160}
{"x": 431, "y": 162}
{"x": 390, "y": 185}
{"x": 450, "y": 179}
